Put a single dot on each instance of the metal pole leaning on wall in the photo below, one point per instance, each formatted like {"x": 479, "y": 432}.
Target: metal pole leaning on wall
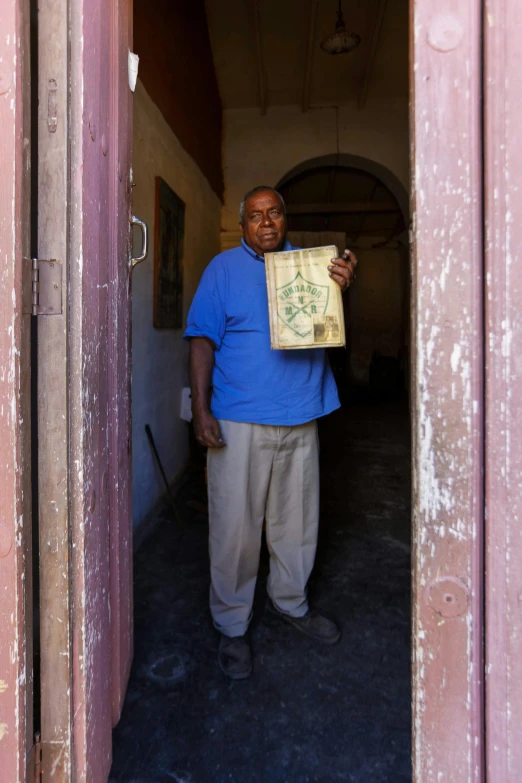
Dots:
{"x": 170, "y": 496}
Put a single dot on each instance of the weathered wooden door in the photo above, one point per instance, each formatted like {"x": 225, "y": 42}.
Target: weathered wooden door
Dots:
{"x": 447, "y": 391}
{"x": 84, "y": 134}
{"x": 16, "y": 665}
{"x": 468, "y": 410}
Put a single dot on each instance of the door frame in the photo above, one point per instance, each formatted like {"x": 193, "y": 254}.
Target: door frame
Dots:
{"x": 16, "y": 622}
{"x": 55, "y": 545}
{"x": 503, "y": 408}
{"x": 85, "y": 513}
{"x": 448, "y": 380}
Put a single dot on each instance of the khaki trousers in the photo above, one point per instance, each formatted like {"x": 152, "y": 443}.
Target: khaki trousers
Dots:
{"x": 270, "y": 474}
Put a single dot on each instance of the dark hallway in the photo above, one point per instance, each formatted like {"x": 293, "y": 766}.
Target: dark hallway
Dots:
{"x": 308, "y": 713}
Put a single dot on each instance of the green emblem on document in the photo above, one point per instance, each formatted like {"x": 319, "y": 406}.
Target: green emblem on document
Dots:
{"x": 299, "y": 301}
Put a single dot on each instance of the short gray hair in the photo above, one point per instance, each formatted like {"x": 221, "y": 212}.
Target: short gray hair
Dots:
{"x": 258, "y": 189}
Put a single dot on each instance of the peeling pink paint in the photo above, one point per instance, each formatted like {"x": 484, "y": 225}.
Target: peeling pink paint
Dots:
{"x": 447, "y": 379}
{"x": 99, "y": 389}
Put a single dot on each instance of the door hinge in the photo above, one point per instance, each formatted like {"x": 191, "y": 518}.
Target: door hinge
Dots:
{"x": 46, "y": 287}
{"x": 37, "y": 758}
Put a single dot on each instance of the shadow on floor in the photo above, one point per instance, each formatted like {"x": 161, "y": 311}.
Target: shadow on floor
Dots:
{"x": 309, "y": 713}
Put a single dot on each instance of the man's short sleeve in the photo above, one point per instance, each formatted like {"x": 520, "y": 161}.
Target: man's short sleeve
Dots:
{"x": 207, "y": 315}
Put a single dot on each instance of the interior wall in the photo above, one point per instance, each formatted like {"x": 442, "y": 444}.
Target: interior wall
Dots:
{"x": 159, "y": 357}
{"x": 262, "y": 149}
{"x": 176, "y": 67}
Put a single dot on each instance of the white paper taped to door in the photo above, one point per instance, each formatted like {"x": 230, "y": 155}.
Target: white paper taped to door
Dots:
{"x": 186, "y": 405}
{"x": 133, "y": 70}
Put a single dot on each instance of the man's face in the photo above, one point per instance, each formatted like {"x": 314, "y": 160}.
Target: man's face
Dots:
{"x": 264, "y": 227}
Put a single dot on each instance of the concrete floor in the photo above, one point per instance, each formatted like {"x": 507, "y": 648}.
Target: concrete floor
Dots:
{"x": 308, "y": 713}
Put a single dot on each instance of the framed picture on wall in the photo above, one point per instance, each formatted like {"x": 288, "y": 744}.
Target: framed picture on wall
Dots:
{"x": 168, "y": 255}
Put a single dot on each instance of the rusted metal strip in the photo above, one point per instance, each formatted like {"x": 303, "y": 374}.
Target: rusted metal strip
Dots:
{"x": 503, "y": 209}
{"x": 16, "y": 669}
{"x": 447, "y": 300}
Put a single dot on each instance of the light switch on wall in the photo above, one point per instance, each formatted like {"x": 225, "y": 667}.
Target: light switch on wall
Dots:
{"x": 186, "y": 405}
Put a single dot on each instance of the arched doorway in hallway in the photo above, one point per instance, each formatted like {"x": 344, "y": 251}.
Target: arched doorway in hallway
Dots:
{"x": 350, "y": 201}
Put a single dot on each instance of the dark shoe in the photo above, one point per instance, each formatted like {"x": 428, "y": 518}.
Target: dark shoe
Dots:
{"x": 234, "y": 657}
{"x": 312, "y": 624}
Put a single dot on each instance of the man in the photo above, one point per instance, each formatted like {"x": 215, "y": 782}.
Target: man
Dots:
{"x": 255, "y": 410}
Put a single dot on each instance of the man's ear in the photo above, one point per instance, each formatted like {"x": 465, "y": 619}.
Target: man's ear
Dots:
{"x": 241, "y": 226}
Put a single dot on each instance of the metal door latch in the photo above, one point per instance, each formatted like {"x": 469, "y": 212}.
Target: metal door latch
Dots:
{"x": 144, "y": 244}
{"x": 46, "y": 287}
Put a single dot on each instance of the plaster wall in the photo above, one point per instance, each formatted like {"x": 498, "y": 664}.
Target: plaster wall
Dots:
{"x": 177, "y": 70}
{"x": 159, "y": 357}
{"x": 262, "y": 149}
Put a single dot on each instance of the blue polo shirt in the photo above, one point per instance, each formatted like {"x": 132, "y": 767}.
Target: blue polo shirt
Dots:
{"x": 251, "y": 382}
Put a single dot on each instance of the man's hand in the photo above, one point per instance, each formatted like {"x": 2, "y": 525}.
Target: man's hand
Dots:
{"x": 201, "y": 362}
{"x": 206, "y": 429}
{"x": 342, "y": 270}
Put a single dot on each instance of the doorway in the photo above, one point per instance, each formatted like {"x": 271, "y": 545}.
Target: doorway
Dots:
{"x": 348, "y": 709}
{"x": 453, "y": 143}
{"x": 343, "y": 200}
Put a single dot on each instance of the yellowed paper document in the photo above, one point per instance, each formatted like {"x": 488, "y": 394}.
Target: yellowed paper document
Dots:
{"x": 305, "y": 304}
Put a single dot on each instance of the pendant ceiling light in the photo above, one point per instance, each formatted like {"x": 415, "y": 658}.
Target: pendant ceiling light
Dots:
{"x": 340, "y": 42}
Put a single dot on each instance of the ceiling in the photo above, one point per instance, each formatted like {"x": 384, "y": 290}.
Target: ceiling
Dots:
{"x": 267, "y": 52}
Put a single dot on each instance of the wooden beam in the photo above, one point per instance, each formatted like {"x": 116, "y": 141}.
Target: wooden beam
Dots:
{"x": 263, "y": 98}
{"x": 350, "y": 207}
{"x": 310, "y": 48}
{"x": 370, "y": 61}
